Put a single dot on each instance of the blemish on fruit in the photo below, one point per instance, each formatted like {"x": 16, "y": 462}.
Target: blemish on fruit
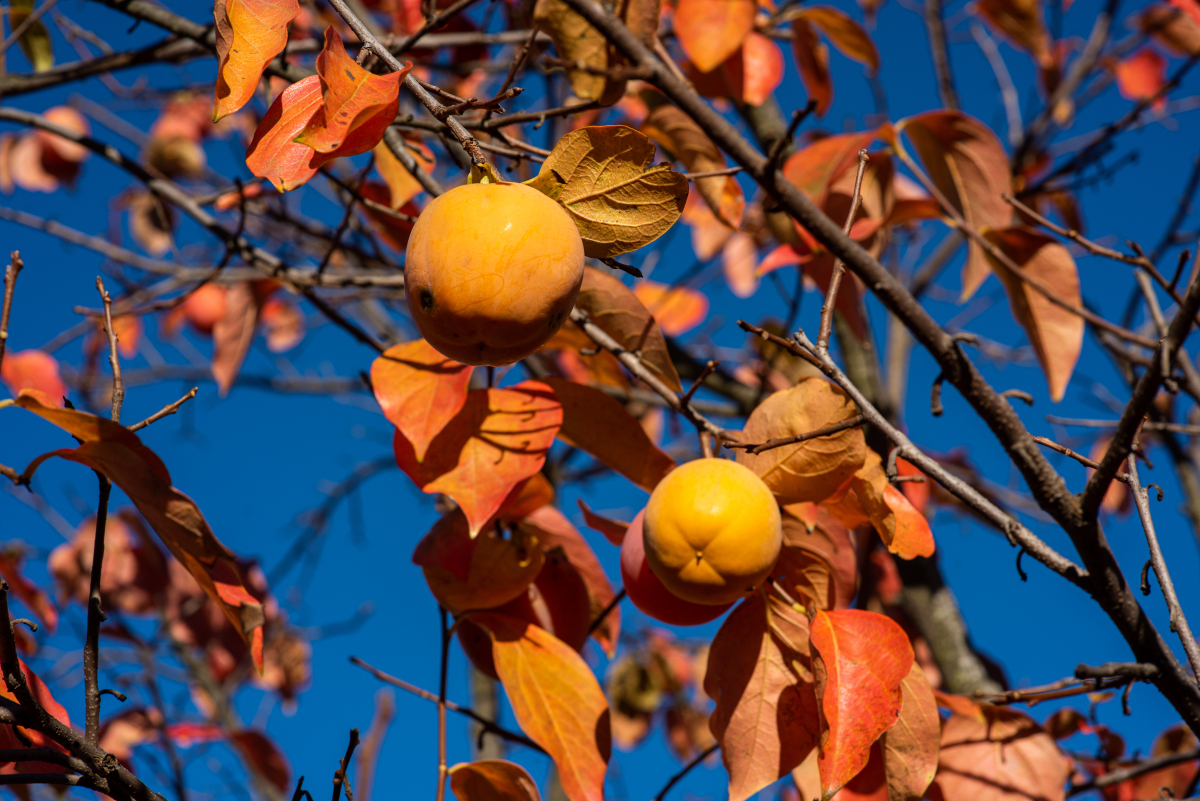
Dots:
{"x": 426, "y": 301}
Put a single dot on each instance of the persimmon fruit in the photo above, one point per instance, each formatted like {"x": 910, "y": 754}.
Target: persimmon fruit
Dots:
{"x": 649, "y": 594}
{"x": 712, "y": 531}
{"x": 492, "y": 271}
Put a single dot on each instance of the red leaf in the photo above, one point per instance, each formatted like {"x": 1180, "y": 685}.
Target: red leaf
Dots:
{"x": 419, "y": 390}
{"x": 555, "y": 699}
{"x": 31, "y": 738}
{"x": 1141, "y": 76}
{"x": 613, "y": 530}
{"x": 499, "y": 438}
{"x": 29, "y": 593}
{"x": 263, "y": 756}
{"x": 860, "y": 659}
{"x": 766, "y": 713}
{"x": 812, "y": 59}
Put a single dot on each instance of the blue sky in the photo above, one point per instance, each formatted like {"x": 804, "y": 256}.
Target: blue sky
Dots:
{"x": 255, "y": 460}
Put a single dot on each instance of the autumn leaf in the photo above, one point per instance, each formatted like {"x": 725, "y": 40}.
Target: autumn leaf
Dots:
{"x": 819, "y": 563}
{"x": 356, "y": 106}
{"x": 613, "y": 307}
{"x": 1141, "y": 76}
{"x": 860, "y": 659}
{"x": 249, "y": 35}
{"x": 282, "y": 323}
{"x": 33, "y": 369}
{"x": 233, "y": 334}
{"x": 1055, "y": 333}
{"x": 910, "y": 748}
{"x": 1004, "y": 755}
{"x": 598, "y": 423}
{"x": 969, "y": 166}
{"x": 394, "y": 231}
{"x": 678, "y": 134}
{"x": 843, "y": 31}
{"x": 29, "y": 593}
{"x": 296, "y": 136}
{"x": 739, "y": 260}
{"x": 870, "y": 497}
{"x": 35, "y": 43}
{"x": 465, "y": 572}
{"x": 113, "y": 450}
{"x": 419, "y": 390}
{"x": 553, "y": 529}
{"x": 497, "y": 439}
{"x": 1177, "y": 739}
{"x": 678, "y": 309}
{"x": 814, "y": 469}
{"x": 492, "y": 780}
{"x": 812, "y": 61}
{"x": 556, "y": 700}
{"x": 19, "y": 737}
{"x": 402, "y": 186}
{"x": 578, "y": 42}
{"x": 710, "y": 31}
{"x": 261, "y": 753}
{"x": 1176, "y": 29}
{"x": 751, "y": 75}
{"x": 618, "y": 200}
{"x": 613, "y": 530}
{"x": 765, "y": 716}
{"x": 1023, "y": 23}
{"x": 814, "y": 167}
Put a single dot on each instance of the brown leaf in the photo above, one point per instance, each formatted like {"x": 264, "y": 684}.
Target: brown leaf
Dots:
{"x": 598, "y": 423}
{"x": 968, "y": 164}
{"x": 910, "y": 748}
{"x": 556, "y": 700}
{"x": 845, "y": 33}
{"x": 618, "y": 200}
{"x": 759, "y": 675}
{"x": 820, "y": 563}
{"x": 812, "y": 60}
{"x": 814, "y": 469}
{"x": 492, "y": 780}
{"x": 1004, "y": 757}
{"x": 578, "y": 42}
{"x": 1174, "y": 28}
{"x": 1055, "y": 333}
{"x": 678, "y": 134}
{"x": 151, "y": 223}
{"x": 613, "y": 307}
{"x": 1177, "y": 739}
{"x": 133, "y": 576}
{"x": 1023, "y": 22}
{"x": 233, "y": 334}
{"x": 263, "y": 756}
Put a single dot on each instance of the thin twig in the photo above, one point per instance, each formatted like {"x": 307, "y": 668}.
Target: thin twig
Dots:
{"x": 839, "y": 266}
{"x": 852, "y": 422}
{"x": 165, "y": 411}
{"x": 685, "y": 770}
{"x": 10, "y": 284}
{"x": 1079, "y": 457}
{"x": 339, "y": 777}
{"x": 442, "y": 769}
{"x": 606, "y": 611}
{"x": 118, "y": 387}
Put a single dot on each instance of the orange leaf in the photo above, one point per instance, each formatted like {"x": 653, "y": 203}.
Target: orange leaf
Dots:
{"x": 419, "y": 390}
{"x": 476, "y": 573}
{"x": 782, "y": 256}
{"x": 1002, "y": 757}
{"x": 492, "y": 780}
{"x": 812, "y": 60}
{"x": 29, "y": 593}
{"x": 910, "y": 748}
{"x": 402, "y": 186}
{"x": 272, "y": 153}
{"x": 356, "y": 107}
{"x": 845, "y": 33}
{"x": 819, "y": 563}
{"x": 556, "y": 700}
{"x": 1055, "y": 333}
{"x": 968, "y": 165}
{"x": 960, "y": 705}
{"x": 112, "y": 449}
{"x": 613, "y": 530}
{"x": 33, "y": 369}
{"x": 497, "y": 439}
{"x": 870, "y": 497}
{"x": 1022, "y": 22}
{"x": 249, "y": 34}
{"x": 709, "y": 234}
{"x": 262, "y": 754}
{"x": 762, "y": 65}
{"x": 233, "y": 334}
{"x": 766, "y": 713}
{"x": 1141, "y": 76}
{"x": 815, "y": 167}
{"x": 612, "y": 306}
{"x": 677, "y": 309}
{"x": 598, "y": 423}
{"x": 710, "y": 31}
{"x": 526, "y": 498}
{"x": 738, "y": 261}
{"x": 553, "y": 529}
{"x": 860, "y": 659}
{"x": 814, "y": 469}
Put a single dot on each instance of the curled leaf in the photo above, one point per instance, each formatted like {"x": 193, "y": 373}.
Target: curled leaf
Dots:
{"x": 249, "y": 35}
{"x": 492, "y": 780}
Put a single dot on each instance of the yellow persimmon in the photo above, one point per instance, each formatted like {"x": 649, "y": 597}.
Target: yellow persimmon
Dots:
{"x": 491, "y": 272}
{"x": 712, "y": 531}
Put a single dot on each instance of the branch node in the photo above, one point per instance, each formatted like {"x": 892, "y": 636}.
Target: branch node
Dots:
{"x": 1146, "y": 576}
{"x": 935, "y": 396}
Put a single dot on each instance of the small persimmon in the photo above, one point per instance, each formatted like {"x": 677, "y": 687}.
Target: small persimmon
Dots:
{"x": 492, "y": 271}
{"x": 712, "y": 531}
{"x": 649, "y": 594}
